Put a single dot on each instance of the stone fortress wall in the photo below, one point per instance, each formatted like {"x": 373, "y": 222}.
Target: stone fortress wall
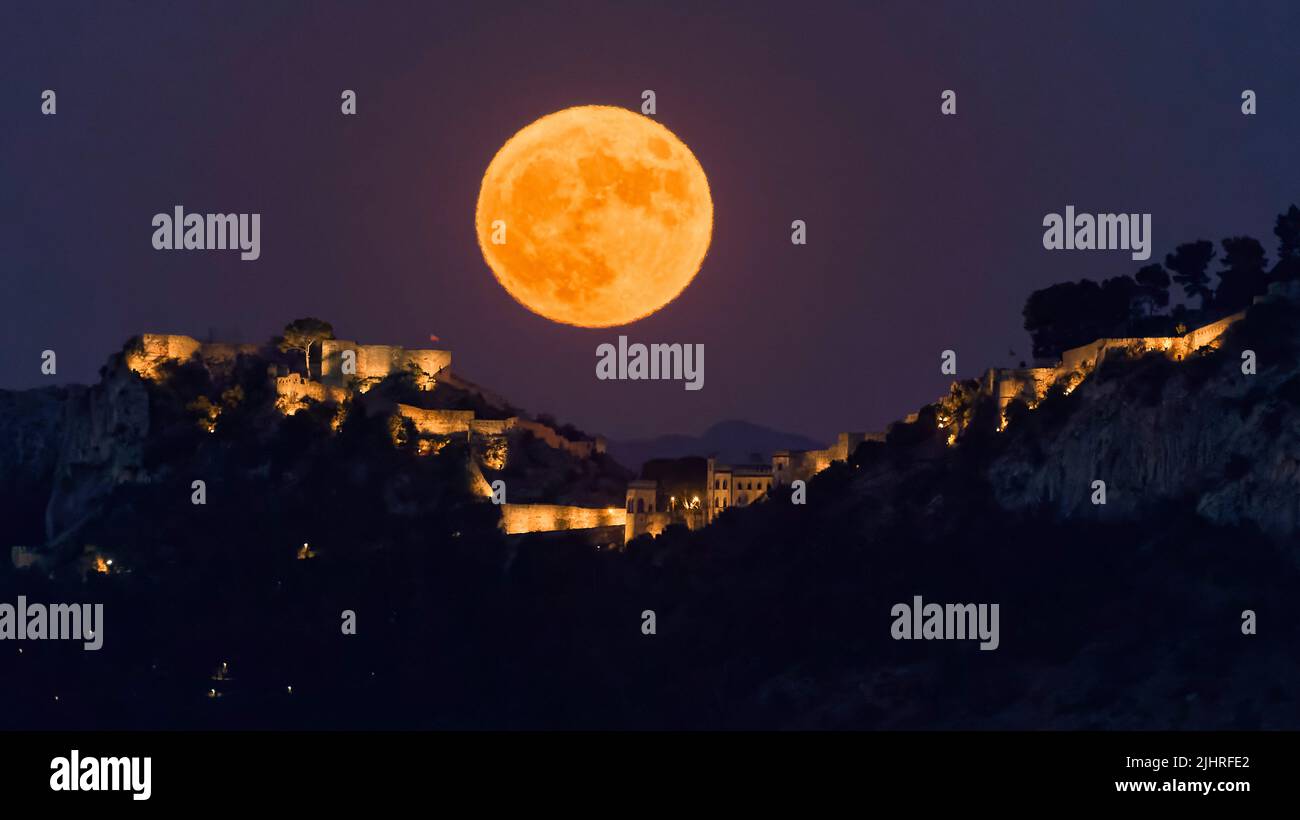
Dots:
{"x": 150, "y": 350}
{"x": 293, "y": 392}
{"x": 517, "y": 519}
{"x": 374, "y": 362}
{"x": 521, "y": 519}
{"x": 800, "y": 465}
{"x": 1031, "y": 384}
{"x": 437, "y": 422}
{"x": 147, "y": 352}
{"x": 725, "y": 484}
{"x": 455, "y": 422}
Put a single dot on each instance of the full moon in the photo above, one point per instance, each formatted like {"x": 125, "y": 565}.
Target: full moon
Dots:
{"x": 594, "y": 216}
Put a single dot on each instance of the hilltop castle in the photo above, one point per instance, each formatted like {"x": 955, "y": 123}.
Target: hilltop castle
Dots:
{"x": 347, "y": 369}
{"x": 726, "y": 486}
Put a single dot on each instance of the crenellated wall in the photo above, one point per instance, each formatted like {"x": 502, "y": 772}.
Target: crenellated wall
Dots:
{"x": 437, "y": 422}
{"x": 491, "y": 427}
{"x": 374, "y": 362}
{"x": 1031, "y": 384}
{"x": 148, "y": 351}
{"x": 524, "y": 518}
{"x": 293, "y": 391}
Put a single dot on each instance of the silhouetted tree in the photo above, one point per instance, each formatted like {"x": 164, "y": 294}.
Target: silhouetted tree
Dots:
{"x": 1188, "y": 263}
{"x": 1051, "y": 317}
{"x": 1120, "y": 301}
{"x": 1243, "y": 276}
{"x": 1287, "y": 231}
{"x": 301, "y": 334}
{"x": 1069, "y": 314}
{"x": 1153, "y": 282}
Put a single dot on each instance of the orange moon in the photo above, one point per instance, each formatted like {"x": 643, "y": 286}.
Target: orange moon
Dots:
{"x": 594, "y": 216}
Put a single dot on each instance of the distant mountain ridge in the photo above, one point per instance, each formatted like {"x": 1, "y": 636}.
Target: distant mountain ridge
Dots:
{"x": 733, "y": 441}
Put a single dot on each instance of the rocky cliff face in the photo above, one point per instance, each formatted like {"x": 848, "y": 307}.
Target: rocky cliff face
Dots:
{"x": 31, "y": 439}
{"x": 1156, "y": 430}
{"x": 63, "y": 449}
{"x": 103, "y": 432}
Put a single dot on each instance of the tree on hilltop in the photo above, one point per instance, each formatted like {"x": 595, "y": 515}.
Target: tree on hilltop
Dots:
{"x": 301, "y": 334}
{"x": 1153, "y": 284}
{"x": 1069, "y": 314}
{"x": 1244, "y": 274}
{"x": 1188, "y": 263}
{"x": 1287, "y": 231}
{"x": 1052, "y": 316}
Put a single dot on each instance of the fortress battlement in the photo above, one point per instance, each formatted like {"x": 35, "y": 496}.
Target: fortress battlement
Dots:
{"x": 1031, "y": 384}
{"x": 146, "y": 353}
{"x": 371, "y": 363}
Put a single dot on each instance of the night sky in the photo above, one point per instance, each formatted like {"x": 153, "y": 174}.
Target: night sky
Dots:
{"x": 924, "y": 231}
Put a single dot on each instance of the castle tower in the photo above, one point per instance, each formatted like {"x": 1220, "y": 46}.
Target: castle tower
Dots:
{"x": 781, "y": 467}
{"x": 641, "y": 513}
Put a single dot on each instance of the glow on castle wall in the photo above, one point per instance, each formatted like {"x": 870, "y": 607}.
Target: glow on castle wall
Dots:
{"x": 374, "y": 362}
{"x": 437, "y": 422}
{"x": 148, "y": 352}
{"x": 518, "y": 519}
{"x": 151, "y": 350}
{"x": 1030, "y": 385}
{"x": 292, "y": 393}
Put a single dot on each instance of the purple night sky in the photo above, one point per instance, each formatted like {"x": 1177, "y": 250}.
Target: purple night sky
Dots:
{"x": 924, "y": 231}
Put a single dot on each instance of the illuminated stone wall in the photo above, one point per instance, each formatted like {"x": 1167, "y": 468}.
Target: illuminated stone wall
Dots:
{"x": 524, "y": 518}
{"x": 374, "y": 362}
{"x": 437, "y": 422}
{"x": 293, "y": 391}
{"x": 491, "y": 427}
{"x": 490, "y": 436}
{"x": 151, "y": 350}
{"x": 1086, "y": 357}
{"x": 1029, "y": 384}
{"x": 651, "y": 524}
{"x": 801, "y": 465}
{"x": 1211, "y": 334}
